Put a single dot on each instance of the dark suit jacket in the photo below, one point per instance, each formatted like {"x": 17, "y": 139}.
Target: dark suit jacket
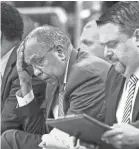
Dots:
{"x": 10, "y": 85}
{"x": 114, "y": 89}
{"x": 84, "y": 93}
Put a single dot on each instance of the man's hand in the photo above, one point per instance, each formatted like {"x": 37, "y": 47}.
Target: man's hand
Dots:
{"x": 24, "y": 77}
{"x": 122, "y": 136}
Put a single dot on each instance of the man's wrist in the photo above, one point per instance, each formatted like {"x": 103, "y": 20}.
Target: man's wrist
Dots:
{"x": 25, "y": 88}
{"x": 22, "y": 101}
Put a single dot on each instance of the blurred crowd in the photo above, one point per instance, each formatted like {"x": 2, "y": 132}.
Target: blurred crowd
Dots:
{"x": 62, "y": 58}
{"x": 65, "y": 17}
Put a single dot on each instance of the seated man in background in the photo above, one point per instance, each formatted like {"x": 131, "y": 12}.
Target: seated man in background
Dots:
{"x": 89, "y": 40}
{"x": 12, "y": 31}
{"x": 77, "y": 86}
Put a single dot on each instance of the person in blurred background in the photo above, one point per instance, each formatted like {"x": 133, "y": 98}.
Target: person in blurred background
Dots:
{"x": 89, "y": 40}
{"x": 77, "y": 86}
{"x": 12, "y": 31}
{"x": 29, "y": 25}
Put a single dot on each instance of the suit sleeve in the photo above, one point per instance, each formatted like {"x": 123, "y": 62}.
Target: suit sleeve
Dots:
{"x": 87, "y": 96}
{"x": 32, "y": 115}
{"x": 8, "y": 119}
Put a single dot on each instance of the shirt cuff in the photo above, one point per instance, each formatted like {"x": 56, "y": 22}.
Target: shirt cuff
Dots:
{"x": 22, "y": 101}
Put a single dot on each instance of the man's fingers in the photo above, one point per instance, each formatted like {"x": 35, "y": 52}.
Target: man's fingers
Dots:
{"x": 117, "y": 125}
{"x": 115, "y": 140}
{"x": 116, "y": 144}
{"x": 112, "y": 132}
{"x": 20, "y": 58}
{"x": 20, "y": 51}
{"x": 20, "y": 61}
{"x": 21, "y": 47}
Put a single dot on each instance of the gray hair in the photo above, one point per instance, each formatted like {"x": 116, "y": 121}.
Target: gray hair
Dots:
{"x": 124, "y": 14}
{"x": 48, "y": 38}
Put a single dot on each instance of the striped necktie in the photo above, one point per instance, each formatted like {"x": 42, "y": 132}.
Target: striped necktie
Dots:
{"x": 128, "y": 105}
{"x": 61, "y": 99}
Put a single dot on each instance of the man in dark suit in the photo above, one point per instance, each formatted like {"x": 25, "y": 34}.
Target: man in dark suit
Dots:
{"x": 12, "y": 30}
{"x": 119, "y": 34}
{"x": 77, "y": 85}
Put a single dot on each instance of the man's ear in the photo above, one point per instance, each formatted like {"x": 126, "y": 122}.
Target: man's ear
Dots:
{"x": 61, "y": 52}
{"x": 136, "y": 36}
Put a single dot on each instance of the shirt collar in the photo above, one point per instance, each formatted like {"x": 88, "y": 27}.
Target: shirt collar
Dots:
{"x": 66, "y": 73}
{"x": 4, "y": 61}
{"x": 7, "y": 54}
{"x": 136, "y": 73}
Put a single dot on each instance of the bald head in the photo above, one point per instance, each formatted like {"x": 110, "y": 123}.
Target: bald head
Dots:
{"x": 44, "y": 39}
{"x": 89, "y": 40}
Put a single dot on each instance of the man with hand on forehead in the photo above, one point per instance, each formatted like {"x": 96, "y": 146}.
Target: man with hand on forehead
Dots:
{"x": 77, "y": 85}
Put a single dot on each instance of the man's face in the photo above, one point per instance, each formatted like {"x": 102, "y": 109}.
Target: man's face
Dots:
{"x": 119, "y": 49}
{"x": 90, "y": 40}
{"x": 46, "y": 65}
{"x": 91, "y": 44}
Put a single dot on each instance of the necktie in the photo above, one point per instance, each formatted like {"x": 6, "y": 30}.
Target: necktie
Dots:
{"x": 61, "y": 98}
{"x": 128, "y": 105}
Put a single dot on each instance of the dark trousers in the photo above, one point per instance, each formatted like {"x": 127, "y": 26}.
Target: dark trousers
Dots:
{"x": 16, "y": 139}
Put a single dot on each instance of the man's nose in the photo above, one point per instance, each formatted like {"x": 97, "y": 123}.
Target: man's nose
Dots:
{"x": 37, "y": 71}
{"x": 107, "y": 52}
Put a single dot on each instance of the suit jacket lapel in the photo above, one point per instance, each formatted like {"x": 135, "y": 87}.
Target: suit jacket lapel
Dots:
{"x": 9, "y": 66}
{"x": 73, "y": 59}
{"x": 113, "y": 100}
{"x": 51, "y": 97}
{"x": 136, "y": 108}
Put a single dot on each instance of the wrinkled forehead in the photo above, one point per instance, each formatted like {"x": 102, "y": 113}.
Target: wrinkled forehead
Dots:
{"x": 33, "y": 50}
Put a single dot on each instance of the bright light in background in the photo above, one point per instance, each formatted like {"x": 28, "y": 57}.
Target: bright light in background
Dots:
{"x": 96, "y": 5}
{"x": 91, "y": 8}
{"x": 85, "y": 13}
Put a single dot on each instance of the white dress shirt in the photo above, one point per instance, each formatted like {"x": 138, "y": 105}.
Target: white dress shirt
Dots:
{"x": 22, "y": 101}
{"x": 122, "y": 102}
{"x": 4, "y": 61}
